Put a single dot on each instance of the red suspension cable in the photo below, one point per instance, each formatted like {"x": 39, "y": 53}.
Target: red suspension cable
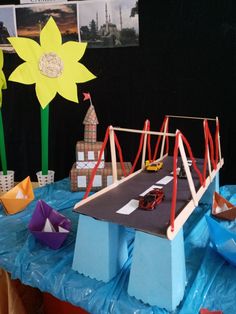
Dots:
{"x": 120, "y": 155}
{"x": 167, "y": 131}
{"x": 193, "y": 159}
{"x": 159, "y": 139}
{"x": 212, "y": 152}
{"x": 139, "y": 150}
{"x": 208, "y": 138}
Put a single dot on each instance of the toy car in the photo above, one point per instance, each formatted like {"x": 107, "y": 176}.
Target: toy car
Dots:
{"x": 182, "y": 173}
{"x": 150, "y": 200}
{"x": 153, "y": 166}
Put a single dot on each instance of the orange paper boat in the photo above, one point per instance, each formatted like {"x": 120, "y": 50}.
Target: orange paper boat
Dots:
{"x": 223, "y": 209}
{"x": 18, "y": 197}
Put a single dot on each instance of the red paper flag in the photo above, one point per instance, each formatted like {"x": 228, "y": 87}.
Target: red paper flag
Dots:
{"x": 86, "y": 96}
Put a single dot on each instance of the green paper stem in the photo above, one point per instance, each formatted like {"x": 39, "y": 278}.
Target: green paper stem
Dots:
{"x": 44, "y": 139}
{"x": 2, "y": 147}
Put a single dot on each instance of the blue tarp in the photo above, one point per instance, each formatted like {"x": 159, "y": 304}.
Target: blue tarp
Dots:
{"x": 210, "y": 278}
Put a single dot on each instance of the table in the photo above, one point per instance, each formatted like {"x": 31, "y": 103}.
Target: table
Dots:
{"x": 207, "y": 274}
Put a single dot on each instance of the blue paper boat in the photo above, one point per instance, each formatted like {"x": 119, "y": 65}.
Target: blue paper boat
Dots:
{"x": 223, "y": 240}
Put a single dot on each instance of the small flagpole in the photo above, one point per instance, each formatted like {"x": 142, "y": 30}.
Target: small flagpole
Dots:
{"x": 90, "y": 99}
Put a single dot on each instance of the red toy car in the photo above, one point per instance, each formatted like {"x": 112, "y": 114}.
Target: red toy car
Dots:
{"x": 151, "y": 199}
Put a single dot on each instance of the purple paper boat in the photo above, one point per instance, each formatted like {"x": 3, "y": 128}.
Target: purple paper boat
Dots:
{"x": 49, "y": 226}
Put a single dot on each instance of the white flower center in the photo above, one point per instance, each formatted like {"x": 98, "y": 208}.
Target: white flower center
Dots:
{"x": 51, "y": 65}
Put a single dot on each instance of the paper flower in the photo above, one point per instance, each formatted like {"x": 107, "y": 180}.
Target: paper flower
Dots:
{"x": 52, "y": 66}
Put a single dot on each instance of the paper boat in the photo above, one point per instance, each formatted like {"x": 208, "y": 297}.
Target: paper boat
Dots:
{"x": 223, "y": 209}
{"x": 49, "y": 226}
{"x": 223, "y": 240}
{"x": 16, "y": 199}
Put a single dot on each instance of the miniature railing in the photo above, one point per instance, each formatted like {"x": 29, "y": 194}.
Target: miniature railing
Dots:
{"x": 212, "y": 157}
{"x": 145, "y": 138}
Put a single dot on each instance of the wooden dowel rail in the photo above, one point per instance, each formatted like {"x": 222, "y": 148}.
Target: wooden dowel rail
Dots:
{"x": 142, "y": 131}
{"x": 189, "y": 117}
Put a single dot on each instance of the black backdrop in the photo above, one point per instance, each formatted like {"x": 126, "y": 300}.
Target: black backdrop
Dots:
{"x": 184, "y": 65}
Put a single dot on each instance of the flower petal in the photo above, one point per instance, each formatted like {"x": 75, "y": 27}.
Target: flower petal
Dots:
{"x": 3, "y": 83}
{"x": 1, "y": 59}
{"x": 50, "y": 36}
{"x": 79, "y": 73}
{"x": 45, "y": 90}
{"x": 68, "y": 90}
{"x": 26, "y": 48}
{"x": 25, "y": 73}
{"x": 72, "y": 50}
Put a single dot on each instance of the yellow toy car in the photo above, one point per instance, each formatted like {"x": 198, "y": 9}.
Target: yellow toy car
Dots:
{"x": 153, "y": 166}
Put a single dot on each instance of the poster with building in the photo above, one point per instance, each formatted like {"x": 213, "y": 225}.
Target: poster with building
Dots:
{"x": 30, "y": 19}
{"x": 7, "y": 26}
{"x": 110, "y": 23}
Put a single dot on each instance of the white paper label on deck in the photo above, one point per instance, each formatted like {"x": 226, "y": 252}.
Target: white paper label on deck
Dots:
{"x": 165, "y": 180}
{"x": 151, "y": 188}
{"x": 128, "y": 208}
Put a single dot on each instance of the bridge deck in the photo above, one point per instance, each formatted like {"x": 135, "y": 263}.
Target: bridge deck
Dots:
{"x": 105, "y": 206}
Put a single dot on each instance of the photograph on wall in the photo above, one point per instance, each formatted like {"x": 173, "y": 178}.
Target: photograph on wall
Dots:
{"x": 113, "y": 23}
{"x": 39, "y": 1}
{"x": 7, "y": 26}
{"x": 30, "y": 20}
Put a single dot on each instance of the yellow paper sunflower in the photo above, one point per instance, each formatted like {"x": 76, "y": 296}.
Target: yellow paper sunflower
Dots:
{"x": 52, "y": 66}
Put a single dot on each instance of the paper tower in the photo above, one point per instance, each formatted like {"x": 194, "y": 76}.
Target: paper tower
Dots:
{"x": 87, "y": 153}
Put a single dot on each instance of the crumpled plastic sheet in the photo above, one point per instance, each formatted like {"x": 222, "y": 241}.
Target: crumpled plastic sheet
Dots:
{"x": 210, "y": 278}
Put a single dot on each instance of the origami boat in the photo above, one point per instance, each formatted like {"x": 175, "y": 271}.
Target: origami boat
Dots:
{"x": 49, "y": 226}
{"x": 223, "y": 240}
{"x": 223, "y": 209}
{"x": 16, "y": 199}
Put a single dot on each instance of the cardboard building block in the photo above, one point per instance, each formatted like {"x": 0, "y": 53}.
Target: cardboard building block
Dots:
{"x": 81, "y": 177}
{"x": 158, "y": 273}
{"x": 100, "y": 248}
{"x": 88, "y": 152}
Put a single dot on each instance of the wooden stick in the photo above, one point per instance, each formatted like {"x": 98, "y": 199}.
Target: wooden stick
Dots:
{"x": 164, "y": 139}
{"x": 188, "y": 117}
{"x": 187, "y": 171}
{"x": 142, "y": 131}
{"x": 144, "y": 146}
{"x": 220, "y": 157}
{"x": 113, "y": 154}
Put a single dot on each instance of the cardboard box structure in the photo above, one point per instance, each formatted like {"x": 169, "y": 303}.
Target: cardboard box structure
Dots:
{"x": 87, "y": 155}
{"x": 81, "y": 177}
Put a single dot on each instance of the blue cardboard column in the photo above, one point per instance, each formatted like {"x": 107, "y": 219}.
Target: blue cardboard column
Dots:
{"x": 214, "y": 186}
{"x": 158, "y": 273}
{"x": 100, "y": 248}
